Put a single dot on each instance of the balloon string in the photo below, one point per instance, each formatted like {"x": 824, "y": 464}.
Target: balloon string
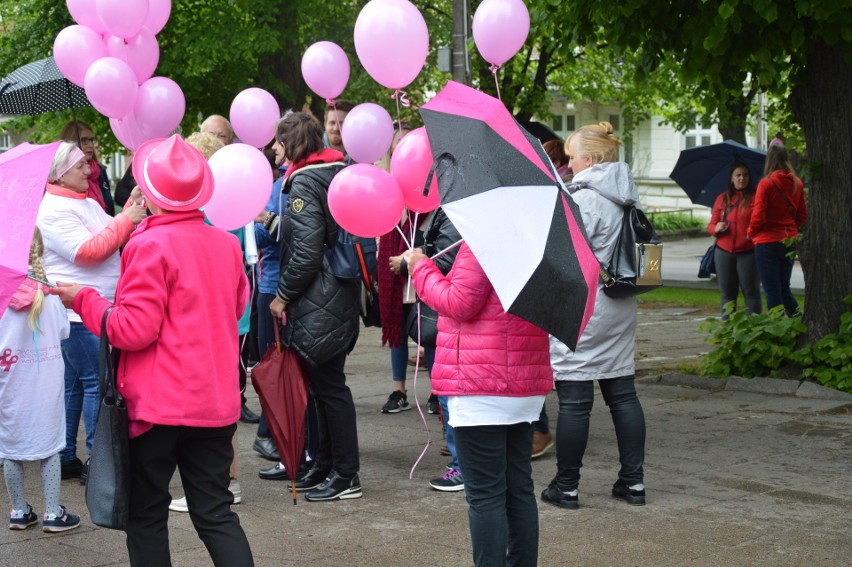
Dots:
{"x": 404, "y": 238}
{"x": 493, "y": 70}
{"x": 401, "y": 97}
{"x": 417, "y": 402}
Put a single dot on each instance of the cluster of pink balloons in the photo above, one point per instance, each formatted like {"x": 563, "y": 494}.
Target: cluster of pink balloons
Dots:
{"x": 500, "y": 28}
{"x": 112, "y": 52}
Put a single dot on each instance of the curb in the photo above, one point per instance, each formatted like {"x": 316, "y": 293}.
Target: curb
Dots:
{"x": 772, "y": 386}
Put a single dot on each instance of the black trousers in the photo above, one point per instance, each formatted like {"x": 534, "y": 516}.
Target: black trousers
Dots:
{"x": 203, "y": 456}
{"x": 338, "y": 433}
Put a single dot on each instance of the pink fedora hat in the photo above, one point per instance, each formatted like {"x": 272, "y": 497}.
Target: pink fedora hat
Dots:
{"x": 172, "y": 174}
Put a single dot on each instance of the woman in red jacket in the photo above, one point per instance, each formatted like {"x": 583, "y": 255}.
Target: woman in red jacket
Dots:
{"x": 779, "y": 210}
{"x": 495, "y": 369}
{"x": 735, "y": 266}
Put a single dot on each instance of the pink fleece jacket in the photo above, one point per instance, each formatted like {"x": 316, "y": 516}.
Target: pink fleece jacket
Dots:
{"x": 181, "y": 291}
{"x": 481, "y": 349}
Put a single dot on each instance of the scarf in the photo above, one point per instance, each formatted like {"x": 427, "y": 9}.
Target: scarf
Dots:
{"x": 391, "y": 285}
{"x": 326, "y": 155}
{"x": 95, "y": 184}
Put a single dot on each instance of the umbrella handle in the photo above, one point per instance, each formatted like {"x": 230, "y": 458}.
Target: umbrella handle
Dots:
{"x": 278, "y": 334}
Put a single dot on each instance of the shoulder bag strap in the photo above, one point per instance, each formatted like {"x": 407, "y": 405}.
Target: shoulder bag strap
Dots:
{"x": 786, "y": 198}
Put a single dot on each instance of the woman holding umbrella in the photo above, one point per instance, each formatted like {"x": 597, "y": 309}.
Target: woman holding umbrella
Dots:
{"x": 779, "y": 211}
{"x": 601, "y": 187}
{"x": 80, "y": 133}
{"x": 734, "y": 256}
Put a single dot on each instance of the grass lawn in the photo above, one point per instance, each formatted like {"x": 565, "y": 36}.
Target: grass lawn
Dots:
{"x": 689, "y": 297}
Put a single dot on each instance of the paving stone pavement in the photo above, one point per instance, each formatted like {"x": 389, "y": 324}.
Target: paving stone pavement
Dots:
{"x": 734, "y": 478}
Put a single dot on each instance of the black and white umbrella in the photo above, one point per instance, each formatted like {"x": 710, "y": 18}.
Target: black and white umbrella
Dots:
{"x": 501, "y": 192}
{"x": 39, "y": 87}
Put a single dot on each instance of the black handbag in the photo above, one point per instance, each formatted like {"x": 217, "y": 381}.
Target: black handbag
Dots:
{"x": 370, "y": 314}
{"x": 636, "y": 260}
{"x": 423, "y": 329}
{"x": 707, "y": 265}
{"x": 108, "y": 481}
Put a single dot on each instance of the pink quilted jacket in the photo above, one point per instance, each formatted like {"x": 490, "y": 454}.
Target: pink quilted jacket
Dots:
{"x": 481, "y": 349}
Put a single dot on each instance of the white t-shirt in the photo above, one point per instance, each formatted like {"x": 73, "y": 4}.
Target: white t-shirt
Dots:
{"x": 32, "y": 383}
{"x": 66, "y": 224}
{"x": 468, "y": 411}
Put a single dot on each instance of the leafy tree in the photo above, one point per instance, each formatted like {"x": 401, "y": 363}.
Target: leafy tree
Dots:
{"x": 804, "y": 46}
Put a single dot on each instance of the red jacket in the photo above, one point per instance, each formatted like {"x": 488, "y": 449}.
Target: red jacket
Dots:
{"x": 735, "y": 239}
{"x": 481, "y": 349}
{"x": 771, "y": 219}
{"x": 181, "y": 291}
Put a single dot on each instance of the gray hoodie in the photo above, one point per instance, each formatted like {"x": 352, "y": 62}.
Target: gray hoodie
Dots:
{"x": 606, "y": 348}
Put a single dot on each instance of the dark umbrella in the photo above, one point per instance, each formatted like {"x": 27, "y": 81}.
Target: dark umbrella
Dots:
{"x": 283, "y": 392}
{"x": 501, "y": 192}
{"x": 703, "y": 172}
{"x": 39, "y": 87}
{"x": 539, "y": 130}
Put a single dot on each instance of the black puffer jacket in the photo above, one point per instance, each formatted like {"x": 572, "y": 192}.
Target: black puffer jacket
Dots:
{"x": 322, "y": 311}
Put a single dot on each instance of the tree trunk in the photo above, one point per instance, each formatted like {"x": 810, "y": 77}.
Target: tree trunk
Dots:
{"x": 733, "y": 118}
{"x": 820, "y": 104}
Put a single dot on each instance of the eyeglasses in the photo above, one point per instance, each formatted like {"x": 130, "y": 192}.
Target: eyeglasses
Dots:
{"x": 86, "y": 141}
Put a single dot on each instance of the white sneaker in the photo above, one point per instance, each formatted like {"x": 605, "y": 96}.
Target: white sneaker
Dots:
{"x": 180, "y": 505}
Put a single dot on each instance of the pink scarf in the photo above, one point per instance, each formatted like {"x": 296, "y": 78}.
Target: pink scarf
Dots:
{"x": 95, "y": 184}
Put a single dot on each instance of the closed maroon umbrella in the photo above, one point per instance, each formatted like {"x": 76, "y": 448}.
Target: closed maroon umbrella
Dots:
{"x": 283, "y": 391}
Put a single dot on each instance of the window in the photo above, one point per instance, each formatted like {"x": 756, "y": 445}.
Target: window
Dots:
{"x": 4, "y": 142}
{"x": 557, "y": 123}
{"x": 698, "y": 136}
{"x": 570, "y": 123}
{"x": 615, "y": 120}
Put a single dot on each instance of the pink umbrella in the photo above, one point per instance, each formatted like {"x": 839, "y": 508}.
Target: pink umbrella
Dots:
{"x": 23, "y": 175}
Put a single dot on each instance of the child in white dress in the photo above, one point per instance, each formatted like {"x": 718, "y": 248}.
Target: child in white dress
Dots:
{"x": 32, "y": 397}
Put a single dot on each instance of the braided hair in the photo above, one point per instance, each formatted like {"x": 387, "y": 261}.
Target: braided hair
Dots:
{"x": 36, "y": 252}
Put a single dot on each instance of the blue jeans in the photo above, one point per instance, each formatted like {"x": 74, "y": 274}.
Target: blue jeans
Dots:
{"x": 449, "y": 432}
{"x": 572, "y": 429}
{"x": 399, "y": 359}
{"x": 775, "y": 269}
{"x": 498, "y": 485}
{"x": 81, "y": 353}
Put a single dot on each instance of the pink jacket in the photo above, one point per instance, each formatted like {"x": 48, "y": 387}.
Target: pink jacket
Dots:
{"x": 481, "y": 349}
{"x": 181, "y": 291}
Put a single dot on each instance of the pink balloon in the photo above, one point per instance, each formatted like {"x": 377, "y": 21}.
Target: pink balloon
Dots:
{"x": 367, "y": 132}
{"x": 111, "y": 87}
{"x": 85, "y": 13}
{"x": 410, "y": 165}
{"x": 365, "y": 200}
{"x": 141, "y": 52}
{"x": 243, "y": 181}
{"x": 392, "y": 41}
{"x": 74, "y": 49}
{"x": 122, "y": 18}
{"x": 500, "y": 28}
{"x": 254, "y": 114}
{"x": 158, "y": 15}
{"x": 127, "y": 132}
{"x": 159, "y": 107}
{"x": 325, "y": 68}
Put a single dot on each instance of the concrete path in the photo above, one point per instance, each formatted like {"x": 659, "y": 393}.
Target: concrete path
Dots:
{"x": 734, "y": 478}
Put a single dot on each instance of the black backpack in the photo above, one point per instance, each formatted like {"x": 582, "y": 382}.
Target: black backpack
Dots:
{"x": 635, "y": 264}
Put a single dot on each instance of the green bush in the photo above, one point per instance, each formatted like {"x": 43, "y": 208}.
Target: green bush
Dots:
{"x": 829, "y": 360}
{"x": 675, "y": 221}
{"x": 757, "y": 345}
{"x": 750, "y": 346}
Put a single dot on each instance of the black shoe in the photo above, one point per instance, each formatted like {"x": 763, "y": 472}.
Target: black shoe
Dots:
{"x": 248, "y": 416}
{"x": 266, "y": 448}
{"x": 553, "y": 495}
{"x": 396, "y": 403}
{"x": 633, "y": 497}
{"x": 434, "y": 405}
{"x": 336, "y": 487}
{"x": 84, "y": 473}
{"x": 277, "y": 472}
{"x": 311, "y": 479}
{"x": 71, "y": 469}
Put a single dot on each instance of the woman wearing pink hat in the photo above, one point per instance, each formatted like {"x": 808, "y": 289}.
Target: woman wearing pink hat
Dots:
{"x": 174, "y": 321}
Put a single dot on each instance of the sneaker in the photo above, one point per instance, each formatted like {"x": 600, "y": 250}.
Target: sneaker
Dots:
{"x": 434, "y": 406}
{"x": 22, "y": 519}
{"x": 71, "y": 469}
{"x": 633, "y": 495}
{"x": 542, "y": 442}
{"x": 84, "y": 473}
{"x": 451, "y": 481}
{"x": 234, "y": 487}
{"x": 62, "y": 522}
{"x": 562, "y": 498}
{"x": 336, "y": 487}
{"x": 396, "y": 403}
{"x": 179, "y": 505}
